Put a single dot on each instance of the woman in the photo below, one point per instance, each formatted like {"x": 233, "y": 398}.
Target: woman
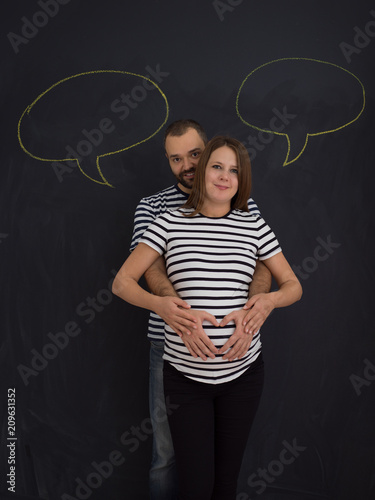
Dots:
{"x": 210, "y": 247}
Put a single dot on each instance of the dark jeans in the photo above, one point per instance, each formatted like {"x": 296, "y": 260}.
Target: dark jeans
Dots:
{"x": 163, "y": 480}
{"x": 210, "y": 425}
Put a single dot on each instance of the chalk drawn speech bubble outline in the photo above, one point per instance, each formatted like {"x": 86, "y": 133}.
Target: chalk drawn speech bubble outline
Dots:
{"x": 287, "y": 161}
{"x": 105, "y": 182}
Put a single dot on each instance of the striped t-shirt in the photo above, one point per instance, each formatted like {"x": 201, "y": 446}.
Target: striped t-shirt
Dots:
{"x": 210, "y": 262}
{"x": 147, "y": 211}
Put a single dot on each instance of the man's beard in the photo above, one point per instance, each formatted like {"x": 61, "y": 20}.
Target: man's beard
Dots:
{"x": 187, "y": 183}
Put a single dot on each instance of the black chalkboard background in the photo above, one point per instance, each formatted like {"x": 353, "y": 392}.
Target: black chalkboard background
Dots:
{"x": 75, "y": 356}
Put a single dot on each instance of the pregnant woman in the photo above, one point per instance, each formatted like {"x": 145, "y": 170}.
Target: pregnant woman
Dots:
{"x": 210, "y": 246}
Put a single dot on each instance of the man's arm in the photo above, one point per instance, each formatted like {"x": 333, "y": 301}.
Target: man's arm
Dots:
{"x": 240, "y": 340}
{"x": 259, "y": 310}
{"x": 261, "y": 283}
{"x": 262, "y": 280}
{"x": 157, "y": 279}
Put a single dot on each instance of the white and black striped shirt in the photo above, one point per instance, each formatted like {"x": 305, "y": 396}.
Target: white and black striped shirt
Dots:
{"x": 210, "y": 262}
{"x": 147, "y": 211}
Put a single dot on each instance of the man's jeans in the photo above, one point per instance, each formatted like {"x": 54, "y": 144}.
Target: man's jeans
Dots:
{"x": 163, "y": 470}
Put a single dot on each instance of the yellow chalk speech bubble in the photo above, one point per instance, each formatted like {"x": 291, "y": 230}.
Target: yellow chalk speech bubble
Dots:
{"x": 309, "y": 134}
{"x": 104, "y": 181}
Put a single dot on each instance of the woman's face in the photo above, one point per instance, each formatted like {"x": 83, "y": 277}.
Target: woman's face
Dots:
{"x": 221, "y": 176}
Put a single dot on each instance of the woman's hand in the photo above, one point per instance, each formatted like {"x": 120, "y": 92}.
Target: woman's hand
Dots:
{"x": 239, "y": 342}
{"x": 198, "y": 343}
{"x": 173, "y": 311}
{"x": 258, "y": 308}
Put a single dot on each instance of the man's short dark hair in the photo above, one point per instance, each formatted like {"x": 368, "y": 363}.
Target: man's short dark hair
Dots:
{"x": 180, "y": 127}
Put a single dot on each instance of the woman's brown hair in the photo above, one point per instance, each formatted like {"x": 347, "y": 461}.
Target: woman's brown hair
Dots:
{"x": 240, "y": 199}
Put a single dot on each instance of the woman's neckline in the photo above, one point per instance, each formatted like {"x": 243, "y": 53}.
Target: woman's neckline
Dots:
{"x": 215, "y": 217}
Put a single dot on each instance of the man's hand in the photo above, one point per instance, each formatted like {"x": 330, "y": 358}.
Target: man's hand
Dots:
{"x": 259, "y": 307}
{"x": 198, "y": 343}
{"x": 173, "y": 311}
{"x": 239, "y": 342}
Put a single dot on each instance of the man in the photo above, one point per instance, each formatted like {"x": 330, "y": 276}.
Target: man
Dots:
{"x": 184, "y": 142}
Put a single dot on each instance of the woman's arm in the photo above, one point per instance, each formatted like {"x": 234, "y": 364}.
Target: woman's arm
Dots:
{"x": 126, "y": 286}
{"x": 290, "y": 289}
{"x": 158, "y": 283}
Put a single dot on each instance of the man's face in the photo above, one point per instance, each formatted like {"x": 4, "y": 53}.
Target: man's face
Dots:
{"x": 183, "y": 154}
